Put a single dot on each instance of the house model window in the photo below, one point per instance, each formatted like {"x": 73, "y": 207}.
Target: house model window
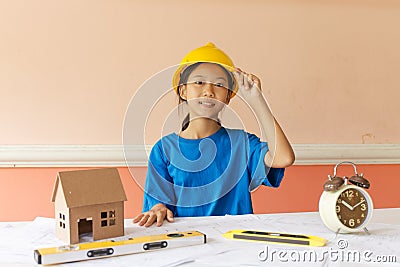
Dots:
{"x": 62, "y": 221}
{"x": 89, "y": 202}
{"x": 107, "y": 218}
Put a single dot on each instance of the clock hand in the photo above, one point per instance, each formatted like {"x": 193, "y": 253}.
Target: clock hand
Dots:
{"x": 359, "y": 203}
{"x": 347, "y": 205}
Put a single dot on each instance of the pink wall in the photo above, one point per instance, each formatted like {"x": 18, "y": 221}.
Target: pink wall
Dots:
{"x": 26, "y": 192}
{"x": 329, "y": 68}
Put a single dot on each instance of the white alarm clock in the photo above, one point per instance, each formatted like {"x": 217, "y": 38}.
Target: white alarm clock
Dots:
{"x": 345, "y": 206}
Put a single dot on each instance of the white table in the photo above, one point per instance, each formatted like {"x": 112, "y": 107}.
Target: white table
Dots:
{"x": 19, "y": 239}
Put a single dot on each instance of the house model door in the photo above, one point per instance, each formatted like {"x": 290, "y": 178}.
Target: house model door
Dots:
{"x": 85, "y": 229}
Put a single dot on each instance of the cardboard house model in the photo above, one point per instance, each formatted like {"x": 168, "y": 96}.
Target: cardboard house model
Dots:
{"x": 89, "y": 202}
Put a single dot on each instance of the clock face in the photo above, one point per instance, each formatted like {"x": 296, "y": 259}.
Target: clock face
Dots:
{"x": 352, "y": 208}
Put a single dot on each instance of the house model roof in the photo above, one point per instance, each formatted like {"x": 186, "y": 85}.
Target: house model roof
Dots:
{"x": 90, "y": 187}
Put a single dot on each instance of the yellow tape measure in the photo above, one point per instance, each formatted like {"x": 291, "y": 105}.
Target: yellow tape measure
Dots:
{"x": 108, "y": 248}
{"x": 288, "y": 239}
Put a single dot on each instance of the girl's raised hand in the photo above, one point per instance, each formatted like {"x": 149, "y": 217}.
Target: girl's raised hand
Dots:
{"x": 249, "y": 85}
{"x": 157, "y": 214}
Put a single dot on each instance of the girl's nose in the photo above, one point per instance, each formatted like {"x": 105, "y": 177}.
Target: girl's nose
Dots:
{"x": 208, "y": 89}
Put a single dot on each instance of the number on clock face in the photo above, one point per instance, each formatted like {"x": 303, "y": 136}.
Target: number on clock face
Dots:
{"x": 351, "y": 208}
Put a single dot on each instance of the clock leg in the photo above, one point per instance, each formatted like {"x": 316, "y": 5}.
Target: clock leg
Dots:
{"x": 366, "y": 231}
{"x": 337, "y": 232}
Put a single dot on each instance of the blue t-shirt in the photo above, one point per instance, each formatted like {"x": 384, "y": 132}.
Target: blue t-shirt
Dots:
{"x": 208, "y": 176}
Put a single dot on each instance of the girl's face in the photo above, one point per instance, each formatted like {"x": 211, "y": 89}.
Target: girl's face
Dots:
{"x": 206, "y": 90}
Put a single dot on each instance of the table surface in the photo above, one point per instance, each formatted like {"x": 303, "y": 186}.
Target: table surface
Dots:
{"x": 19, "y": 239}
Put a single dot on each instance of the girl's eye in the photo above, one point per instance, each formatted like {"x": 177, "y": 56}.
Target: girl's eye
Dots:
{"x": 199, "y": 82}
{"x": 219, "y": 84}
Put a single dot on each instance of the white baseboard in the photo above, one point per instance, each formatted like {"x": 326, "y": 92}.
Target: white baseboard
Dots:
{"x": 113, "y": 155}
{"x": 318, "y": 154}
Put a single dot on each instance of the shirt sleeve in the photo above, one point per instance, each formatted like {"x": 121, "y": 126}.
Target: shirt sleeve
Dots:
{"x": 261, "y": 174}
{"x": 159, "y": 186}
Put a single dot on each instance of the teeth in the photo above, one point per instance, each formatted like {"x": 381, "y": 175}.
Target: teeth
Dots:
{"x": 207, "y": 103}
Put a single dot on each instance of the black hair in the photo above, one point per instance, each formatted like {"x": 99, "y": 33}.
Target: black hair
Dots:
{"x": 184, "y": 78}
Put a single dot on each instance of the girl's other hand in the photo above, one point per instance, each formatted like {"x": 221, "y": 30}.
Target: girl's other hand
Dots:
{"x": 249, "y": 85}
{"x": 157, "y": 214}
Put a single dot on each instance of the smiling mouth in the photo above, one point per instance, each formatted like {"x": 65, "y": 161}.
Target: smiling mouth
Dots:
{"x": 207, "y": 104}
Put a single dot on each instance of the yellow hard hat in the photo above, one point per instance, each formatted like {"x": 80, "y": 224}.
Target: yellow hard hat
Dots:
{"x": 208, "y": 53}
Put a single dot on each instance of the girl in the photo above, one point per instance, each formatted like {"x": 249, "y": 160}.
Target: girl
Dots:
{"x": 207, "y": 169}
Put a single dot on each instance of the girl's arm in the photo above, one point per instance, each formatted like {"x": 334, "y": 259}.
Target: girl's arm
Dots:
{"x": 280, "y": 154}
{"x": 158, "y": 183}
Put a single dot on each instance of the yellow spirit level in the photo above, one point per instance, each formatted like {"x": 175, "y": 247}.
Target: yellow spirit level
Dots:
{"x": 108, "y": 248}
{"x": 288, "y": 239}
